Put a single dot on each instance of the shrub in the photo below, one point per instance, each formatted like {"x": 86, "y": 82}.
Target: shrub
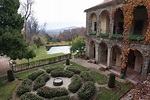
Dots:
{"x": 75, "y": 84}
{"x": 111, "y": 81}
{"x": 86, "y": 76}
{"x": 103, "y": 35}
{"x": 40, "y": 81}
{"x": 117, "y": 36}
{"x": 30, "y": 96}
{"x": 87, "y": 91}
{"x": 133, "y": 37}
{"x": 24, "y": 87}
{"x": 74, "y": 69}
{"x": 61, "y": 98}
{"x": 61, "y": 73}
{"x": 53, "y": 68}
{"x": 49, "y": 93}
{"x": 34, "y": 75}
{"x": 10, "y": 75}
{"x": 67, "y": 62}
{"x": 92, "y": 33}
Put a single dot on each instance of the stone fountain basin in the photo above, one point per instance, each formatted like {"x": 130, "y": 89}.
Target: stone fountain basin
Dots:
{"x": 57, "y": 82}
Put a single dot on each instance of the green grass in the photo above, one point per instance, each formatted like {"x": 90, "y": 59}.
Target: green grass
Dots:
{"x": 100, "y": 78}
{"x": 79, "y": 67}
{"x": 40, "y": 54}
{"x": 6, "y": 88}
{"x": 24, "y": 75}
{"x": 54, "y": 65}
{"x": 107, "y": 94}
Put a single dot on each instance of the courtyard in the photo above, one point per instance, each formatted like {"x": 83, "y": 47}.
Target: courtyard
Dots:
{"x": 9, "y": 90}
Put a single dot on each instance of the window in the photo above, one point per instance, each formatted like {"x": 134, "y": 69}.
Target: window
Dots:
{"x": 95, "y": 26}
{"x": 138, "y": 27}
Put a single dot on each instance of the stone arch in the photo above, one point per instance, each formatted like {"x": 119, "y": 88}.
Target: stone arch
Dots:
{"x": 103, "y": 49}
{"x": 118, "y": 22}
{"x": 135, "y": 60}
{"x": 93, "y": 23}
{"x": 116, "y": 54}
{"x": 92, "y": 50}
{"x": 139, "y": 22}
{"x": 105, "y": 22}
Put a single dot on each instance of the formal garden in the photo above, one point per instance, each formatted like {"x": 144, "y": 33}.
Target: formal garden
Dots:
{"x": 79, "y": 83}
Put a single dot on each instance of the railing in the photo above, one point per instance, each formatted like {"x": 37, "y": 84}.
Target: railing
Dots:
{"x": 38, "y": 63}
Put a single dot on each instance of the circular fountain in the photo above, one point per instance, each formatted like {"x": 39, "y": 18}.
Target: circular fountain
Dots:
{"x": 57, "y": 82}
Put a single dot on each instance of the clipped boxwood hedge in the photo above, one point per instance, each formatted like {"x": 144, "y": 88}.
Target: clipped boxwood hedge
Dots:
{"x": 61, "y": 73}
{"x": 75, "y": 84}
{"x": 49, "y": 93}
{"x": 61, "y": 98}
{"x": 86, "y": 76}
{"x": 74, "y": 69}
{"x": 87, "y": 91}
{"x": 48, "y": 70}
{"x": 24, "y": 87}
{"x": 34, "y": 75}
{"x": 40, "y": 81}
{"x": 30, "y": 96}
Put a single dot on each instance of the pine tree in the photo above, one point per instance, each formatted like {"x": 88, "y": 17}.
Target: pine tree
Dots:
{"x": 12, "y": 41}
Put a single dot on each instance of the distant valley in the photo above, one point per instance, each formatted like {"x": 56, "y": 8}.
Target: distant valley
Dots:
{"x": 57, "y": 31}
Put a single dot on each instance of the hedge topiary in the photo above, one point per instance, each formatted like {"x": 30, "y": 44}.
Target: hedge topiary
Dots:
{"x": 30, "y": 96}
{"x": 10, "y": 75}
{"x": 75, "y": 84}
{"x": 49, "y": 93}
{"x": 53, "y": 68}
{"x": 67, "y": 62}
{"x": 24, "y": 87}
{"x": 111, "y": 81}
{"x": 61, "y": 73}
{"x": 74, "y": 69}
{"x": 87, "y": 91}
{"x": 86, "y": 76}
{"x": 40, "y": 81}
{"x": 61, "y": 98}
{"x": 34, "y": 75}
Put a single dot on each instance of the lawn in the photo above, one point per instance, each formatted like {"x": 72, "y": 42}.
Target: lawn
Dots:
{"x": 115, "y": 94}
{"x": 100, "y": 78}
{"x": 40, "y": 54}
{"x": 79, "y": 67}
{"x": 23, "y": 75}
{"x": 7, "y": 88}
{"x": 54, "y": 65}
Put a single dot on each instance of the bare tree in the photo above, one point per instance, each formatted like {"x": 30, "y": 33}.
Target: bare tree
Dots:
{"x": 26, "y": 11}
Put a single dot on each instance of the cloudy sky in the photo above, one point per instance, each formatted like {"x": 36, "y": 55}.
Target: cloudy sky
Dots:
{"x": 62, "y": 13}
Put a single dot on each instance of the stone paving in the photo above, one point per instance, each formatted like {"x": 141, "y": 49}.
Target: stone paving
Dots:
{"x": 4, "y": 66}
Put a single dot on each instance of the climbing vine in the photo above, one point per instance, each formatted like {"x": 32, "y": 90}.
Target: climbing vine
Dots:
{"x": 128, "y": 10}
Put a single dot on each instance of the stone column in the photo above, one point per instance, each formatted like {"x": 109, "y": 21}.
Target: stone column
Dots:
{"x": 109, "y": 54}
{"x": 144, "y": 68}
{"x": 87, "y": 48}
{"x": 96, "y": 52}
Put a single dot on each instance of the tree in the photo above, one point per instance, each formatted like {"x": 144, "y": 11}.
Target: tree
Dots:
{"x": 11, "y": 40}
{"x": 26, "y": 11}
{"x": 29, "y": 53}
{"x": 78, "y": 44}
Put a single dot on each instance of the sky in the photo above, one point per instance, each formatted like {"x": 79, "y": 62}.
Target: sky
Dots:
{"x": 62, "y": 13}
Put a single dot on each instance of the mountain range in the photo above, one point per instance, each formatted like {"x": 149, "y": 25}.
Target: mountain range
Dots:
{"x": 57, "y": 31}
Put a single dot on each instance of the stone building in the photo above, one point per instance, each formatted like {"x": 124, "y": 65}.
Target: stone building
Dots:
{"x": 118, "y": 36}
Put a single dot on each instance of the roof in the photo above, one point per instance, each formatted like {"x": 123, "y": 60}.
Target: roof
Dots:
{"x": 104, "y": 4}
